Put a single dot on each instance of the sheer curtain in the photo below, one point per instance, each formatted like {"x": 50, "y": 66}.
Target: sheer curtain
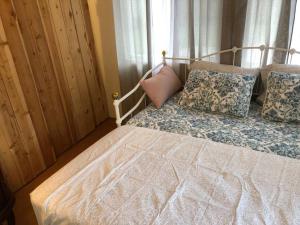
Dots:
{"x": 296, "y": 36}
{"x": 132, "y": 45}
{"x": 193, "y": 28}
{"x": 207, "y": 21}
{"x": 262, "y": 20}
{"x": 185, "y": 28}
{"x": 268, "y": 22}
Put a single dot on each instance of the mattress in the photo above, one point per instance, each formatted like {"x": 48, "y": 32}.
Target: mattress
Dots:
{"x": 143, "y": 176}
{"x": 252, "y": 132}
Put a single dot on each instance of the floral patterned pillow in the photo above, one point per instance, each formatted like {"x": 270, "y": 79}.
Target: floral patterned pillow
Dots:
{"x": 224, "y": 93}
{"x": 282, "y": 101}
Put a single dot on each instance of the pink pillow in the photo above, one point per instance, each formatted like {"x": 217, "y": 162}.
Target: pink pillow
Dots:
{"x": 161, "y": 86}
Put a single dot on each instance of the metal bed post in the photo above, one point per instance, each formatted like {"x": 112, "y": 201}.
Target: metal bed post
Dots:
{"x": 116, "y": 96}
{"x": 262, "y": 51}
{"x": 292, "y": 52}
{"x": 234, "y": 50}
{"x": 164, "y": 57}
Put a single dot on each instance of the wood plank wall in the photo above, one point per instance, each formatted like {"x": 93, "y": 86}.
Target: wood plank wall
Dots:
{"x": 51, "y": 93}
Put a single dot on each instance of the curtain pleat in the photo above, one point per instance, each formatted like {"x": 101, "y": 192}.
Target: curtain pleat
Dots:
{"x": 285, "y": 29}
{"x": 148, "y": 19}
{"x": 208, "y": 27}
{"x": 192, "y": 29}
{"x": 132, "y": 45}
{"x": 233, "y": 24}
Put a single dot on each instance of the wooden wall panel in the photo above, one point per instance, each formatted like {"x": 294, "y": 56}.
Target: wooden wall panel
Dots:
{"x": 44, "y": 74}
{"x": 51, "y": 94}
{"x": 74, "y": 40}
{"x": 70, "y": 53}
{"x": 19, "y": 144}
{"x": 88, "y": 35}
{"x": 71, "y": 31}
{"x": 85, "y": 41}
{"x": 23, "y": 68}
{"x": 57, "y": 63}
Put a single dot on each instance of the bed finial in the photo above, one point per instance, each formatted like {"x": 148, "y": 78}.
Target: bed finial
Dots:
{"x": 164, "y": 56}
{"x": 292, "y": 51}
{"x": 115, "y": 95}
{"x": 234, "y": 50}
{"x": 262, "y": 51}
{"x": 262, "y": 47}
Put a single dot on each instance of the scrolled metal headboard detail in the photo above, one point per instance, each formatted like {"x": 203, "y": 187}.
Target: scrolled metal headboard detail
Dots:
{"x": 262, "y": 48}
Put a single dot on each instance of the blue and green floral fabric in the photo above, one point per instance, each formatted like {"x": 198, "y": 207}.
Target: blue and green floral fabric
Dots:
{"x": 283, "y": 97}
{"x": 253, "y": 131}
{"x": 224, "y": 93}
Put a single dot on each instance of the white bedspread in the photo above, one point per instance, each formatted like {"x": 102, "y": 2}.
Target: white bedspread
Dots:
{"x": 142, "y": 176}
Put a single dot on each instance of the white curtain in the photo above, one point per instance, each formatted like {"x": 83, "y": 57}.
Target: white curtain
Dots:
{"x": 185, "y": 28}
{"x": 261, "y": 27}
{"x": 131, "y": 33}
{"x": 207, "y": 27}
{"x": 161, "y": 29}
{"x": 296, "y": 36}
{"x": 132, "y": 45}
{"x": 193, "y": 28}
{"x": 144, "y": 28}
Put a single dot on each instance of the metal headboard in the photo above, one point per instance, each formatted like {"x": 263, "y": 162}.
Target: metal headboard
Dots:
{"x": 263, "y": 49}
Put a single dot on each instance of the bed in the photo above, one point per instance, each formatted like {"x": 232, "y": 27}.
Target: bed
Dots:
{"x": 143, "y": 176}
{"x": 252, "y": 132}
{"x": 177, "y": 166}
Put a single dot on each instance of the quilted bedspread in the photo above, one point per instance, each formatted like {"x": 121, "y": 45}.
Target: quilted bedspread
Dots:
{"x": 252, "y": 132}
{"x": 143, "y": 176}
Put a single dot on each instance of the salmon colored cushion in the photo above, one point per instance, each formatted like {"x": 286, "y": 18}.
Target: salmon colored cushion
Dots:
{"x": 161, "y": 86}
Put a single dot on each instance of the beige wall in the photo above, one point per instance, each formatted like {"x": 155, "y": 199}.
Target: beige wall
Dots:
{"x": 101, "y": 12}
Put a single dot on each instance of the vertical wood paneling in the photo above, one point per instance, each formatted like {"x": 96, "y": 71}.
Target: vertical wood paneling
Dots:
{"x": 20, "y": 144}
{"x": 58, "y": 66}
{"x": 65, "y": 32}
{"x": 23, "y": 68}
{"x": 73, "y": 36}
{"x": 88, "y": 60}
{"x": 44, "y": 73}
{"x": 91, "y": 44}
{"x": 51, "y": 94}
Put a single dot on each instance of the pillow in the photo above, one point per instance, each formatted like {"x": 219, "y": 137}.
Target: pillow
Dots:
{"x": 282, "y": 101}
{"x": 161, "y": 86}
{"x": 276, "y": 68}
{"x": 225, "y": 93}
{"x": 216, "y": 67}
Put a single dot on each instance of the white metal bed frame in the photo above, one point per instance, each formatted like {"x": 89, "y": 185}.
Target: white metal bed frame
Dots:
{"x": 263, "y": 49}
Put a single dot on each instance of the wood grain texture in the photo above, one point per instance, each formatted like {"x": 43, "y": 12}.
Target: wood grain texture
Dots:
{"x": 51, "y": 93}
{"x": 26, "y": 79}
{"x": 57, "y": 63}
{"x": 92, "y": 47}
{"x": 68, "y": 43}
{"x": 44, "y": 74}
{"x": 72, "y": 36}
{"x": 19, "y": 142}
{"x": 85, "y": 40}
